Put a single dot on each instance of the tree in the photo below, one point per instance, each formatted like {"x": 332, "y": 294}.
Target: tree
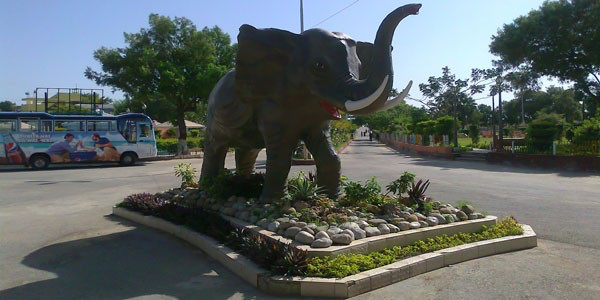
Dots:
{"x": 7, "y": 106}
{"x": 560, "y": 39}
{"x": 170, "y": 67}
{"x": 448, "y": 95}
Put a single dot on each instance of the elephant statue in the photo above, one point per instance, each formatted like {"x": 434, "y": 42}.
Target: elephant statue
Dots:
{"x": 287, "y": 87}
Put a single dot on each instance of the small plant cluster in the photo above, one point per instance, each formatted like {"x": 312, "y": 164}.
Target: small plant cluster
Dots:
{"x": 346, "y": 265}
{"x": 228, "y": 184}
{"x": 361, "y": 195}
{"x": 187, "y": 174}
{"x": 304, "y": 187}
{"x": 280, "y": 258}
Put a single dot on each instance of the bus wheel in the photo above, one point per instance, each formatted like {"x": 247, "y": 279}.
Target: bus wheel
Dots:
{"x": 128, "y": 159}
{"x": 39, "y": 162}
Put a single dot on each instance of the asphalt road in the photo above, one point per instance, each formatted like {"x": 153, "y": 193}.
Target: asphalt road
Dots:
{"x": 59, "y": 241}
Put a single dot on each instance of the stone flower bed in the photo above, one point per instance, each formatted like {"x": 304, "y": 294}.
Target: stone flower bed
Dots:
{"x": 357, "y": 225}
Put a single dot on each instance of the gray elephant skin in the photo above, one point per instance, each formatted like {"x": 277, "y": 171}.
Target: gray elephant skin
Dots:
{"x": 287, "y": 87}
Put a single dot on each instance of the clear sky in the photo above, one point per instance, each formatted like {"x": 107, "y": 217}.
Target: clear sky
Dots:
{"x": 50, "y": 43}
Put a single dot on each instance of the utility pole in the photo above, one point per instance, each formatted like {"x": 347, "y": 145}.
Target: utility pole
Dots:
{"x": 500, "y": 123}
{"x": 493, "y": 124}
{"x": 301, "y": 16}
{"x": 523, "y": 109}
{"x": 455, "y": 127}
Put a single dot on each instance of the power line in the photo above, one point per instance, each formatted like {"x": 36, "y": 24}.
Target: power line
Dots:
{"x": 341, "y": 10}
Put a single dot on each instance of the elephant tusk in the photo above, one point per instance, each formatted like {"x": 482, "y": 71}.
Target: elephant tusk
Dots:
{"x": 393, "y": 102}
{"x": 352, "y": 105}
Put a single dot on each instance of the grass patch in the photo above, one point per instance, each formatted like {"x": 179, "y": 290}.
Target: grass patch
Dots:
{"x": 346, "y": 265}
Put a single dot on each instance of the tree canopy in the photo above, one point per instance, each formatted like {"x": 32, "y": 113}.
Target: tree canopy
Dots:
{"x": 560, "y": 39}
{"x": 7, "y": 106}
{"x": 170, "y": 67}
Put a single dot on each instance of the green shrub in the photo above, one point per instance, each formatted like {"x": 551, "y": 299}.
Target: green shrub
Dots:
{"x": 172, "y": 132}
{"x": 170, "y": 145}
{"x": 474, "y": 133}
{"x": 346, "y": 265}
{"x": 360, "y": 195}
{"x": 401, "y": 185}
{"x": 542, "y": 131}
{"x": 187, "y": 174}
{"x": 589, "y": 131}
{"x": 303, "y": 187}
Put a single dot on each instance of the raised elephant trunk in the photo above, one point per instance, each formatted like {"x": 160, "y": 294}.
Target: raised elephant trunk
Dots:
{"x": 379, "y": 81}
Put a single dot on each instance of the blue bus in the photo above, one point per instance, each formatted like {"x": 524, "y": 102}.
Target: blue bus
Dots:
{"x": 39, "y": 139}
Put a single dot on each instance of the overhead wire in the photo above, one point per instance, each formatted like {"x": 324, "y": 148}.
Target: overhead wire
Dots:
{"x": 335, "y": 14}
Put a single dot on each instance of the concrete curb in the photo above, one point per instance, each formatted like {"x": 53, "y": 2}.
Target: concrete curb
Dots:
{"x": 346, "y": 287}
{"x": 157, "y": 158}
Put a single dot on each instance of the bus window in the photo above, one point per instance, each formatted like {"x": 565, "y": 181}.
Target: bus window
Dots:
{"x": 113, "y": 125}
{"x": 69, "y": 125}
{"x": 98, "y": 126}
{"x": 46, "y": 126}
{"x": 8, "y": 125}
{"x": 144, "y": 130}
{"x": 28, "y": 125}
{"x": 129, "y": 131}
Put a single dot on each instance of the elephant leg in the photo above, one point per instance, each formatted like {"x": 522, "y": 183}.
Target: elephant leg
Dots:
{"x": 245, "y": 160}
{"x": 328, "y": 163}
{"x": 214, "y": 158}
{"x": 279, "y": 162}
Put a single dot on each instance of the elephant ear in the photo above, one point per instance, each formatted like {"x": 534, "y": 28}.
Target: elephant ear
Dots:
{"x": 262, "y": 58}
{"x": 364, "y": 51}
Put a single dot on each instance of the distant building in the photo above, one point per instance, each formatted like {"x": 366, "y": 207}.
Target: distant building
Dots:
{"x": 73, "y": 102}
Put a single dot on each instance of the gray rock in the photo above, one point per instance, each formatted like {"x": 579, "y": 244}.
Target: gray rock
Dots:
{"x": 312, "y": 226}
{"x": 410, "y": 210}
{"x": 321, "y": 243}
{"x": 397, "y": 221}
{"x": 383, "y": 228}
{"x": 291, "y": 232}
{"x": 333, "y": 230}
{"x": 273, "y": 226}
{"x": 467, "y": 209}
{"x": 404, "y": 225}
{"x": 445, "y": 210}
{"x": 441, "y": 219}
{"x": 342, "y": 239}
{"x": 404, "y": 214}
{"x": 362, "y": 224}
{"x": 289, "y": 210}
{"x": 432, "y": 221}
{"x": 352, "y": 218}
{"x": 376, "y": 222}
{"x": 348, "y": 225}
{"x": 455, "y": 217}
{"x": 412, "y": 218}
{"x": 414, "y": 225}
{"x": 264, "y": 223}
{"x": 300, "y": 224}
{"x": 287, "y": 224}
{"x": 476, "y": 216}
{"x": 348, "y": 232}
{"x": 448, "y": 218}
{"x": 358, "y": 233}
{"x": 423, "y": 224}
{"x": 304, "y": 237}
{"x": 321, "y": 235}
{"x": 420, "y": 216}
{"x": 372, "y": 231}
{"x": 300, "y": 205}
{"x": 393, "y": 228}
{"x": 282, "y": 220}
{"x": 305, "y": 228}
{"x": 322, "y": 228}
{"x": 462, "y": 215}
